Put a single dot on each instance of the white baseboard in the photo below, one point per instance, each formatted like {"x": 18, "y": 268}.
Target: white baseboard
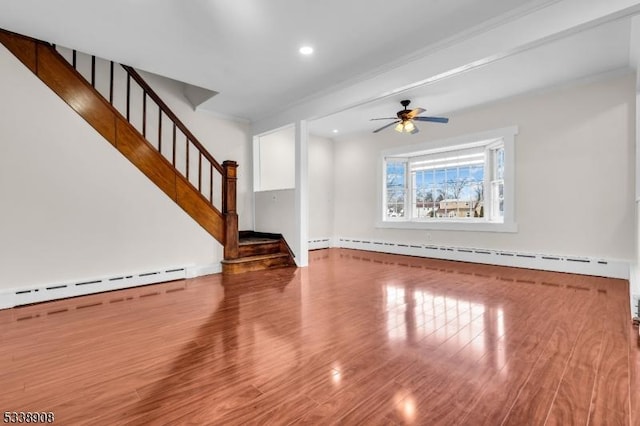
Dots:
{"x": 12, "y": 297}
{"x": 571, "y": 264}
{"x": 199, "y": 271}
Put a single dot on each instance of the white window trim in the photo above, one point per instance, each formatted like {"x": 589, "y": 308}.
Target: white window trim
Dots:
{"x": 506, "y": 134}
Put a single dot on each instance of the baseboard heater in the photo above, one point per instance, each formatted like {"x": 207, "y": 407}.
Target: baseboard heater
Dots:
{"x": 10, "y": 298}
{"x": 319, "y": 243}
{"x": 545, "y": 262}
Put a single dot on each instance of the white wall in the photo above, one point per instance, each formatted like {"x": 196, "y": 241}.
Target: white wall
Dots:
{"x": 276, "y": 160}
{"x": 275, "y": 213}
{"x": 72, "y": 207}
{"x": 275, "y": 208}
{"x": 574, "y": 151}
{"x": 321, "y": 209}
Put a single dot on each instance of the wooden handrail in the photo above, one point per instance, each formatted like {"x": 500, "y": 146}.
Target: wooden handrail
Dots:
{"x": 98, "y": 109}
{"x": 167, "y": 111}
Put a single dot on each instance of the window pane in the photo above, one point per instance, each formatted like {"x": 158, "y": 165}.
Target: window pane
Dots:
{"x": 423, "y": 197}
{"x": 477, "y": 191}
{"x": 396, "y": 189}
{"x": 448, "y": 192}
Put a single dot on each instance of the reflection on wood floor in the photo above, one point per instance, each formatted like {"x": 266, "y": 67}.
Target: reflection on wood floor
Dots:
{"x": 356, "y": 338}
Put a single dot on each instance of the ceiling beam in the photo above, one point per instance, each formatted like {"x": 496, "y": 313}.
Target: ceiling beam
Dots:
{"x": 475, "y": 48}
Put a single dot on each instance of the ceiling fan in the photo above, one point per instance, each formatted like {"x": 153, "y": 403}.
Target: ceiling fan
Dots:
{"x": 406, "y": 118}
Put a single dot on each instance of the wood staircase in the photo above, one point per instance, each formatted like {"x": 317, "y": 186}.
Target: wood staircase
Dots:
{"x": 258, "y": 251}
{"x": 178, "y": 163}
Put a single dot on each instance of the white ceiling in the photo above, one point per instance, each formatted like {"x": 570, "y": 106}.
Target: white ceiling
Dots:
{"x": 589, "y": 53}
{"x": 369, "y": 54}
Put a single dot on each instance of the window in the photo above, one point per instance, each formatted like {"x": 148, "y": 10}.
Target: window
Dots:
{"x": 396, "y": 187}
{"x": 464, "y": 183}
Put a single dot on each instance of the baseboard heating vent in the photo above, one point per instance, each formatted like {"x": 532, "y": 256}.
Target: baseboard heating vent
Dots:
{"x": 89, "y": 282}
{"x": 10, "y": 298}
{"x": 56, "y": 287}
{"x": 546, "y": 262}
{"x": 319, "y": 243}
{"x": 43, "y": 311}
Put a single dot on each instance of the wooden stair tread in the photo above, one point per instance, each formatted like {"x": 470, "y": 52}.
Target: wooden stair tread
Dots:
{"x": 249, "y": 241}
{"x": 257, "y": 257}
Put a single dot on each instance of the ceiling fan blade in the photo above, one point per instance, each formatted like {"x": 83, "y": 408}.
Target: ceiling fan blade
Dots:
{"x": 432, "y": 119}
{"x": 388, "y": 125}
{"x": 386, "y": 118}
{"x": 415, "y": 112}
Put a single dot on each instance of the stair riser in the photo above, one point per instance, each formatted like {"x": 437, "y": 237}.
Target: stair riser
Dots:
{"x": 259, "y": 265}
{"x": 255, "y": 249}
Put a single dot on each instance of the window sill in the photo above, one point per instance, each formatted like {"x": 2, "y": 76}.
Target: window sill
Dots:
{"x": 450, "y": 225}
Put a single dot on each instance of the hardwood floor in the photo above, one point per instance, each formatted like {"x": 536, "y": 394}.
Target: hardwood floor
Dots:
{"x": 356, "y": 338}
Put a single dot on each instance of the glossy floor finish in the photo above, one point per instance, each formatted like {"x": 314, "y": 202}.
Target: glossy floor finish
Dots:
{"x": 356, "y": 338}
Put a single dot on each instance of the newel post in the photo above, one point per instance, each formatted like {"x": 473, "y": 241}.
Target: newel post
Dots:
{"x": 229, "y": 210}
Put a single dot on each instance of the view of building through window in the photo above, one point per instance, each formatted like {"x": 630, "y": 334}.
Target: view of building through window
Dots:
{"x": 449, "y": 192}
{"x": 449, "y": 185}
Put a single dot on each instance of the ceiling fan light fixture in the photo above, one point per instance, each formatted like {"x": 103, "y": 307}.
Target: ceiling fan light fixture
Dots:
{"x": 403, "y": 121}
{"x": 408, "y": 126}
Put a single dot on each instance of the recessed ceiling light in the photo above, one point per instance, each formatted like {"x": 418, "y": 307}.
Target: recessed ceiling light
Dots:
{"x": 306, "y": 50}
{"x": 335, "y": 130}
